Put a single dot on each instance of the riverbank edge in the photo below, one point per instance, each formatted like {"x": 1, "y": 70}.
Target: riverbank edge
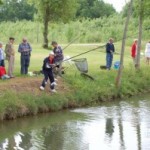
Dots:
{"x": 83, "y": 93}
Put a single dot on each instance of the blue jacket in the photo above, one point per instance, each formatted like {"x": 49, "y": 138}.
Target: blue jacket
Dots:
{"x": 110, "y": 48}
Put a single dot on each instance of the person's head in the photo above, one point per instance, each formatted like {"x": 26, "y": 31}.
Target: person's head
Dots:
{"x": 54, "y": 44}
{"x": 11, "y": 40}
{"x": 1, "y": 44}
{"x": 111, "y": 40}
{"x": 135, "y": 41}
{"x": 24, "y": 40}
{"x": 51, "y": 55}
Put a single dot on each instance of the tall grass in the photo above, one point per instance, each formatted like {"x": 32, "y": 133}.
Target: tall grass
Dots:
{"x": 97, "y": 30}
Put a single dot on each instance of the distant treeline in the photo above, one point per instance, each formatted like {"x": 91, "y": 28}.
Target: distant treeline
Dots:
{"x": 14, "y": 10}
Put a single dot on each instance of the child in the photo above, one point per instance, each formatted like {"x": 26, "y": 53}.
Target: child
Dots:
{"x": 1, "y": 55}
{"x": 48, "y": 65}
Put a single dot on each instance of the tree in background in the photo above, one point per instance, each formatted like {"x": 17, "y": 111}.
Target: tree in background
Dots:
{"x": 94, "y": 9}
{"x": 54, "y": 10}
{"x": 142, "y": 11}
{"x": 13, "y": 10}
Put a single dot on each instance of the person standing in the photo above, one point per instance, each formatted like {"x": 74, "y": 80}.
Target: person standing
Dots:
{"x": 58, "y": 58}
{"x": 25, "y": 50}
{"x": 147, "y": 52}
{"x": 134, "y": 51}
{"x": 1, "y": 55}
{"x": 10, "y": 56}
{"x": 110, "y": 49}
{"x": 47, "y": 69}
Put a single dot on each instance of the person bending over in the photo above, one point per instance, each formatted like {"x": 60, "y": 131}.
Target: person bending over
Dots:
{"x": 47, "y": 69}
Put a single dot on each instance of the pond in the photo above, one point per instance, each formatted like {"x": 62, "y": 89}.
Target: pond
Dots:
{"x": 119, "y": 125}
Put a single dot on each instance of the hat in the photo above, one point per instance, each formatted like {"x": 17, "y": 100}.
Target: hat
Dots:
{"x": 51, "y": 53}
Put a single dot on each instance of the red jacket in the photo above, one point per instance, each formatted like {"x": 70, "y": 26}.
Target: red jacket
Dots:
{"x": 2, "y": 71}
{"x": 133, "y": 50}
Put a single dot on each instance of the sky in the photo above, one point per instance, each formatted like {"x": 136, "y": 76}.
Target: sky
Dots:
{"x": 118, "y": 4}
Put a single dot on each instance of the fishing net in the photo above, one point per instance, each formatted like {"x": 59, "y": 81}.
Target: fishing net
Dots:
{"x": 81, "y": 65}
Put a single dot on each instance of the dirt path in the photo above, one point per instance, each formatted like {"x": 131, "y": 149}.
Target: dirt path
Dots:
{"x": 30, "y": 84}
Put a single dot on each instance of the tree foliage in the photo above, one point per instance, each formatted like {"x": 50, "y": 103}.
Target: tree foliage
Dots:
{"x": 13, "y": 10}
{"x": 54, "y": 11}
{"x": 94, "y": 9}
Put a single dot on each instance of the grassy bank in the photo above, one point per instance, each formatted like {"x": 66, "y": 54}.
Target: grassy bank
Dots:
{"x": 21, "y": 96}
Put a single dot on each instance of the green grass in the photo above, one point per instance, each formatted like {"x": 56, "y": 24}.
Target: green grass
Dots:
{"x": 84, "y": 92}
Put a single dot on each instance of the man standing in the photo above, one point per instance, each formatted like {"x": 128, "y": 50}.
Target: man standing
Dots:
{"x": 10, "y": 56}
{"x": 110, "y": 49}
{"x": 25, "y": 50}
{"x": 58, "y": 57}
{"x": 134, "y": 51}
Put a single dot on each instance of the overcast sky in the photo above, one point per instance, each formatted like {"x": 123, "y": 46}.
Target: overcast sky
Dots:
{"x": 118, "y": 4}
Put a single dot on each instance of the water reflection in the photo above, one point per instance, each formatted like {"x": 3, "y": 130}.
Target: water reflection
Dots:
{"x": 118, "y": 126}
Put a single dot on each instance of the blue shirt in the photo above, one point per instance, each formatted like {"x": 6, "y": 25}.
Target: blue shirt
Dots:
{"x": 24, "y": 49}
{"x": 1, "y": 54}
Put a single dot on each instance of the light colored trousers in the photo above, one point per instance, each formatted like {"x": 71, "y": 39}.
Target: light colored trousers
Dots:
{"x": 11, "y": 65}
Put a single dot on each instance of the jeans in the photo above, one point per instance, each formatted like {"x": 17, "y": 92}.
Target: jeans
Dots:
{"x": 2, "y": 63}
{"x": 109, "y": 59}
{"x": 48, "y": 74}
{"x": 25, "y": 61}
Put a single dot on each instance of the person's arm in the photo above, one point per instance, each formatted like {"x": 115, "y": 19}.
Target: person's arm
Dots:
{"x": 30, "y": 48}
{"x": 20, "y": 49}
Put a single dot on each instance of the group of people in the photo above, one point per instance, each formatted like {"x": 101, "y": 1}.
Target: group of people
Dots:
{"x": 24, "y": 49}
{"x": 134, "y": 52}
{"x": 52, "y": 65}
{"x": 110, "y": 49}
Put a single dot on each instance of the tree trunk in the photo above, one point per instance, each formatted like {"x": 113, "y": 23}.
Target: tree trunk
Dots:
{"x": 140, "y": 34}
{"x": 119, "y": 76}
{"x": 45, "y": 32}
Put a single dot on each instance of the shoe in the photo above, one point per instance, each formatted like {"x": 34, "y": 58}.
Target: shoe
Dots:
{"x": 54, "y": 83}
{"x": 42, "y": 88}
{"x": 45, "y": 83}
{"x": 55, "y": 79}
{"x": 53, "y": 91}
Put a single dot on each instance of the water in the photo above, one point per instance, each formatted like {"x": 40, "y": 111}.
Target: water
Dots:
{"x": 121, "y": 125}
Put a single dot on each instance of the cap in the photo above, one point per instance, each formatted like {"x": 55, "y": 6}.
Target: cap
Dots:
{"x": 51, "y": 53}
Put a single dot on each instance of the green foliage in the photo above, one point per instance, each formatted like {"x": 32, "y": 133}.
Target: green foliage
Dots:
{"x": 94, "y": 9}
{"x": 13, "y": 10}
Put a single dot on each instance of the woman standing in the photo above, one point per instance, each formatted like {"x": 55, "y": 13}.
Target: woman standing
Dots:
{"x": 147, "y": 52}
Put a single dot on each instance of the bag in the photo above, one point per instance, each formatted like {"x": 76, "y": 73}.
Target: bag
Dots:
{"x": 2, "y": 71}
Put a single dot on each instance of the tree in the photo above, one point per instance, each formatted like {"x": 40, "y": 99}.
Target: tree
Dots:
{"x": 119, "y": 76}
{"x": 94, "y": 9}
{"x": 54, "y": 10}
{"x": 142, "y": 11}
{"x": 13, "y": 10}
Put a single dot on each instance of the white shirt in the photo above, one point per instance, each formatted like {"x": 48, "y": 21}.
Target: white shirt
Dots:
{"x": 147, "y": 48}
{"x": 1, "y": 54}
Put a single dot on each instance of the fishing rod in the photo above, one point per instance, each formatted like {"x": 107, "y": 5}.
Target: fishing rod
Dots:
{"x": 74, "y": 40}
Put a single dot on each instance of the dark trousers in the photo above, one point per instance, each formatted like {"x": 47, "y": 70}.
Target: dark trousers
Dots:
{"x": 2, "y": 63}
{"x": 109, "y": 59}
{"x": 25, "y": 62}
{"x": 48, "y": 74}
